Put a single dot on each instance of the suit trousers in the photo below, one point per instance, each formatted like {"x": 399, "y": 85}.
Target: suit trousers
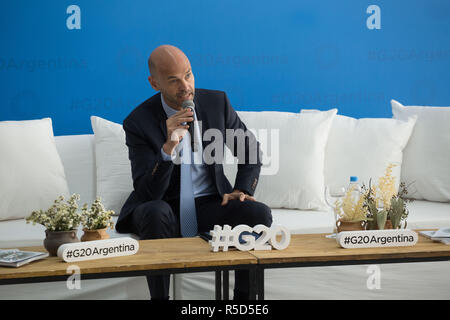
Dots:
{"x": 158, "y": 219}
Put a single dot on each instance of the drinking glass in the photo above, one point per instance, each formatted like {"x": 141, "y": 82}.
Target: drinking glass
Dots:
{"x": 332, "y": 194}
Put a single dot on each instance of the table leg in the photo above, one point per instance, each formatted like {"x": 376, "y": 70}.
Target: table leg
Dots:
{"x": 253, "y": 281}
{"x": 218, "y": 285}
{"x": 260, "y": 282}
{"x": 226, "y": 285}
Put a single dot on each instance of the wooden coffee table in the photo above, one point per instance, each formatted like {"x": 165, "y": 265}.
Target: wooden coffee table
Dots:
{"x": 162, "y": 256}
{"x": 185, "y": 255}
{"x": 313, "y": 250}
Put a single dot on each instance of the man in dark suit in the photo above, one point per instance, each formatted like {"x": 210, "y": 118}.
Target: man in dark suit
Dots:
{"x": 171, "y": 199}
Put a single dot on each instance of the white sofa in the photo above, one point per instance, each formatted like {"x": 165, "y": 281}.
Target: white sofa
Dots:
{"x": 428, "y": 280}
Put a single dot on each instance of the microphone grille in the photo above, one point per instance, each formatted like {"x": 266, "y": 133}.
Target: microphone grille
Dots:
{"x": 188, "y": 104}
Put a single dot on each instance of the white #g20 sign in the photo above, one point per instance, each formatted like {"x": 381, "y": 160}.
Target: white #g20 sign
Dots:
{"x": 246, "y": 238}
{"x": 377, "y": 238}
{"x": 98, "y": 249}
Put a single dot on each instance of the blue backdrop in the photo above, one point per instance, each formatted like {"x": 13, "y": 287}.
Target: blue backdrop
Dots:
{"x": 67, "y": 64}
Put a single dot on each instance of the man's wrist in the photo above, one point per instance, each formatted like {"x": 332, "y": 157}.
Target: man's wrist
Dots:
{"x": 168, "y": 148}
{"x": 167, "y": 155}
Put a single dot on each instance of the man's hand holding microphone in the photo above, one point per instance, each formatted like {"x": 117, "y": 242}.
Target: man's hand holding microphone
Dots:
{"x": 176, "y": 130}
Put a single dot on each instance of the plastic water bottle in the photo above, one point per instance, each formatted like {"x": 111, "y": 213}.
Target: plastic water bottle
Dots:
{"x": 355, "y": 187}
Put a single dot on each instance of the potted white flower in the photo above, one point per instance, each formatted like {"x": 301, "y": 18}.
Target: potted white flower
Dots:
{"x": 96, "y": 220}
{"x": 61, "y": 221}
{"x": 387, "y": 208}
{"x": 351, "y": 213}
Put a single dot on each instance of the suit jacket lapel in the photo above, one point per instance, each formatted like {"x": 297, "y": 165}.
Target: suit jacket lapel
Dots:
{"x": 203, "y": 117}
{"x": 160, "y": 116}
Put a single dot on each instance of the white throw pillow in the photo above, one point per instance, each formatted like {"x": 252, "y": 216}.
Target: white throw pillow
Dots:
{"x": 427, "y": 155}
{"x": 31, "y": 172}
{"x": 364, "y": 148}
{"x": 114, "y": 180}
{"x": 293, "y": 146}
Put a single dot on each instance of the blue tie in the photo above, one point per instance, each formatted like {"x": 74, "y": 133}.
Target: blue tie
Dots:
{"x": 188, "y": 213}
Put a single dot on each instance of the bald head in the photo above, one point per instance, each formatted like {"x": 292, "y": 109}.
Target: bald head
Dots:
{"x": 164, "y": 58}
{"x": 170, "y": 73}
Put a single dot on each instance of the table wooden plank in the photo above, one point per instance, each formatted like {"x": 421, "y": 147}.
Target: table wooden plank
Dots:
{"x": 184, "y": 253}
{"x": 177, "y": 253}
{"x": 318, "y": 248}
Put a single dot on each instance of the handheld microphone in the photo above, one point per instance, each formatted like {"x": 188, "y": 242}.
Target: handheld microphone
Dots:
{"x": 190, "y": 104}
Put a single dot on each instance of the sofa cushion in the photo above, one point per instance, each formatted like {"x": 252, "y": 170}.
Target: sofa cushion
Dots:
{"x": 304, "y": 221}
{"x": 427, "y": 154}
{"x": 77, "y": 155}
{"x": 293, "y": 147}
{"x": 114, "y": 180}
{"x": 31, "y": 172}
{"x": 422, "y": 215}
{"x": 364, "y": 148}
{"x": 428, "y": 214}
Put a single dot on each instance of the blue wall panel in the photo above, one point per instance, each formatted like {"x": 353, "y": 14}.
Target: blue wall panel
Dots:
{"x": 267, "y": 55}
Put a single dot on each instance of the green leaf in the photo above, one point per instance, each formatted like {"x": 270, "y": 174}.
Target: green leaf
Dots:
{"x": 396, "y": 212}
{"x": 381, "y": 219}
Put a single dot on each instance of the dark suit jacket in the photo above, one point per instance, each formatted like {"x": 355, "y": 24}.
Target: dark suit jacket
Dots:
{"x": 156, "y": 179}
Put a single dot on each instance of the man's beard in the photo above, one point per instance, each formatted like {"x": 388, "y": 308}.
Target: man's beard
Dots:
{"x": 175, "y": 100}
